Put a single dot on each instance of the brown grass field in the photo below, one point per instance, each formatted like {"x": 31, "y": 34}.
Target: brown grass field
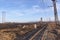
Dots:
{"x": 8, "y": 30}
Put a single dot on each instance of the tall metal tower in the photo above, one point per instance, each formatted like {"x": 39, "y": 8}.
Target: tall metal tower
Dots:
{"x": 3, "y": 16}
{"x": 55, "y": 11}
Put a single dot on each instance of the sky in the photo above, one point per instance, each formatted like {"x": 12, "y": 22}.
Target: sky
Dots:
{"x": 28, "y": 10}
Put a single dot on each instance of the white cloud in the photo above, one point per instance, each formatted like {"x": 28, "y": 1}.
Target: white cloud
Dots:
{"x": 19, "y": 14}
{"x": 12, "y": 12}
{"x": 36, "y": 9}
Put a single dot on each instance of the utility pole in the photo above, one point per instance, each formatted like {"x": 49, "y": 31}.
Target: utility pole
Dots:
{"x": 3, "y": 16}
{"x": 41, "y": 19}
{"x": 55, "y": 11}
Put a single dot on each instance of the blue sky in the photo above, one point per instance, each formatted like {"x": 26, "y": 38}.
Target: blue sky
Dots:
{"x": 27, "y": 10}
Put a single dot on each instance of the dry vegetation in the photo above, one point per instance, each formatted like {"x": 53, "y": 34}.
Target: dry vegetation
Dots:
{"x": 7, "y": 36}
{"x": 51, "y": 33}
{"x": 8, "y": 31}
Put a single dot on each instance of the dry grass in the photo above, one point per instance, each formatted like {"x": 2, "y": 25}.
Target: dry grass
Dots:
{"x": 21, "y": 31}
{"x": 7, "y": 36}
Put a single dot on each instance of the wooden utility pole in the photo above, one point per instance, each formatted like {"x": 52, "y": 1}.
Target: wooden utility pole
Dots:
{"x": 55, "y": 11}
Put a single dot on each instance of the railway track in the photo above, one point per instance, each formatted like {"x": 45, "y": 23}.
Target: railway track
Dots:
{"x": 36, "y": 34}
